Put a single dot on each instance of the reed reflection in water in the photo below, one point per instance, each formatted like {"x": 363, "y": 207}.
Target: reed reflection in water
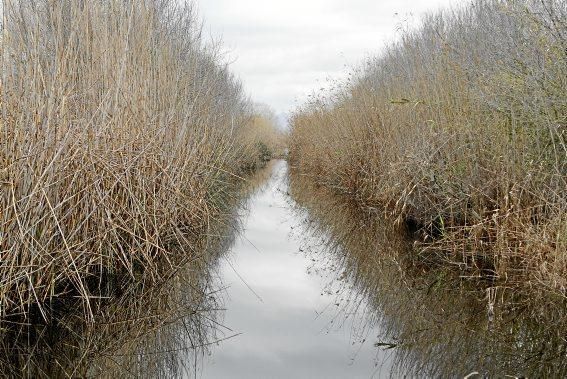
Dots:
{"x": 435, "y": 323}
{"x": 154, "y": 331}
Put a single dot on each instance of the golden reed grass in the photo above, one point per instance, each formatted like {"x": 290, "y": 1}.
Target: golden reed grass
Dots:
{"x": 459, "y": 130}
{"x": 120, "y": 131}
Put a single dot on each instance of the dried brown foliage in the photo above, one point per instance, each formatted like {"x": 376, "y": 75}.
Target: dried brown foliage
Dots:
{"x": 460, "y": 129}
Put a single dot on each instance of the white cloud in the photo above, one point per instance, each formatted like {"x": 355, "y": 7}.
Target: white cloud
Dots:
{"x": 284, "y": 49}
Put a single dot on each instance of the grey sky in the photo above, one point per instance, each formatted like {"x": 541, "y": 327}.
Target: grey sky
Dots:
{"x": 284, "y": 49}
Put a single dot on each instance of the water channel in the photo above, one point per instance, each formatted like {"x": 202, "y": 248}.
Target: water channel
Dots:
{"x": 283, "y": 304}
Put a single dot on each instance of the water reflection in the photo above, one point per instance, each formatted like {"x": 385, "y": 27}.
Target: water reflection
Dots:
{"x": 432, "y": 322}
{"x": 141, "y": 332}
{"x": 286, "y": 320}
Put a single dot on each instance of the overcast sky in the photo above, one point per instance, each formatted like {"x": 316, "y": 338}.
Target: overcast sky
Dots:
{"x": 284, "y": 49}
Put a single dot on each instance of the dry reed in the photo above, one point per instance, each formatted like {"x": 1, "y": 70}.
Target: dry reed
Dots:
{"x": 263, "y": 138}
{"x": 459, "y": 130}
{"x": 120, "y": 134}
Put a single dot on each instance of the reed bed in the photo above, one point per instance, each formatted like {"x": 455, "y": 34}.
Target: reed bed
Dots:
{"x": 459, "y": 131}
{"x": 120, "y": 137}
{"x": 161, "y": 328}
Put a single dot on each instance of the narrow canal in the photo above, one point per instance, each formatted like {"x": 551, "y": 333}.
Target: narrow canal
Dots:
{"x": 285, "y": 316}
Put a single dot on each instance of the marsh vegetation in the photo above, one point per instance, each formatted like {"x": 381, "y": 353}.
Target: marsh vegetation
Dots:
{"x": 434, "y": 180}
{"x": 458, "y": 131}
{"x": 123, "y": 135}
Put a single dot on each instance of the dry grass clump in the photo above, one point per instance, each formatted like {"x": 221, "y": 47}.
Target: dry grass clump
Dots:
{"x": 120, "y": 131}
{"x": 460, "y": 129}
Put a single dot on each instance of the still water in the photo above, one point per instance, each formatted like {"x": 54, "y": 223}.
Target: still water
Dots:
{"x": 286, "y": 314}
